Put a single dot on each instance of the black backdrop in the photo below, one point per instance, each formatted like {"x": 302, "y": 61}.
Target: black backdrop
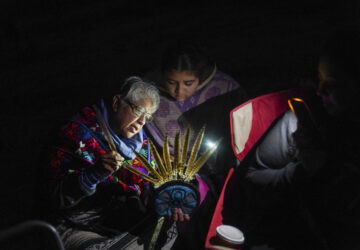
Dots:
{"x": 58, "y": 55}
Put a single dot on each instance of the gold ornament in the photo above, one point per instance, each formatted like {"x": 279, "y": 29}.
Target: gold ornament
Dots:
{"x": 181, "y": 168}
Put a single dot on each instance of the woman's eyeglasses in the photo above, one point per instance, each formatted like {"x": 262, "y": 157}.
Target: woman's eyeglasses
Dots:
{"x": 139, "y": 111}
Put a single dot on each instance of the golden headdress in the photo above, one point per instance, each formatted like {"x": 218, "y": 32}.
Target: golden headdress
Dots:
{"x": 181, "y": 168}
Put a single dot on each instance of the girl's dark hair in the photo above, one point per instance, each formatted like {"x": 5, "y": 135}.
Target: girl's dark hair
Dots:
{"x": 190, "y": 57}
{"x": 342, "y": 49}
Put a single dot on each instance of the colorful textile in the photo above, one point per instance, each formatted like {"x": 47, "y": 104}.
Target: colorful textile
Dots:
{"x": 84, "y": 141}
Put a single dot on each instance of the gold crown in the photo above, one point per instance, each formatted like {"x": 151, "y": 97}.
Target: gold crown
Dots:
{"x": 178, "y": 169}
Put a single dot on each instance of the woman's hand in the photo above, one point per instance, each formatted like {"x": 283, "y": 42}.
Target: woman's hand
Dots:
{"x": 110, "y": 162}
{"x": 311, "y": 152}
{"x": 178, "y": 215}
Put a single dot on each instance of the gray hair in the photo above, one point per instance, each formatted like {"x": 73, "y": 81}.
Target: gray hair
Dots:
{"x": 135, "y": 88}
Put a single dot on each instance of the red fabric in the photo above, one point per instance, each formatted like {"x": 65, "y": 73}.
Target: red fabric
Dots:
{"x": 217, "y": 219}
{"x": 266, "y": 109}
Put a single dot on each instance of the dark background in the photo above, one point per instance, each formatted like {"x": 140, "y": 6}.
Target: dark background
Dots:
{"x": 59, "y": 55}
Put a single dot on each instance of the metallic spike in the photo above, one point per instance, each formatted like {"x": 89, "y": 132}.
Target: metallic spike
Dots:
{"x": 202, "y": 159}
{"x": 147, "y": 166}
{"x": 158, "y": 160}
{"x": 194, "y": 151}
{"x": 184, "y": 151}
{"x": 139, "y": 173}
{"x": 177, "y": 156}
{"x": 166, "y": 156}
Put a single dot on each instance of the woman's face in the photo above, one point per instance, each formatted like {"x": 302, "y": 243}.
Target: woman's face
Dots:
{"x": 181, "y": 84}
{"x": 125, "y": 122}
{"x": 336, "y": 89}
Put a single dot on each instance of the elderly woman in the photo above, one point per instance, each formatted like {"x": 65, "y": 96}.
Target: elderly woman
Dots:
{"x": 94, "y": 199}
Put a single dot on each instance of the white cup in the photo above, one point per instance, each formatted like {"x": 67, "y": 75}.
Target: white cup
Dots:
{"x": 229, "y": 237}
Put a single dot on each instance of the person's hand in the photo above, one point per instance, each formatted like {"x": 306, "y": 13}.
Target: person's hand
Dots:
{"x": 306, "y": 135}
{"x": 311, "y": 152}
{"x": 178, "y": 215}
{"x": 110, "y": 162}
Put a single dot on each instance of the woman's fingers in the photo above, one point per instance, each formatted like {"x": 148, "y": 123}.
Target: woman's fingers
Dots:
{"x": 187, "y": 217}
{"x": 175, "y": 215}
{"x": 113, "y": 155}
{"x": 111, "y": 161}
{"x": 110, "y": 169}
{"x": 110, "y": 165}
{"x": 178, "y": 216}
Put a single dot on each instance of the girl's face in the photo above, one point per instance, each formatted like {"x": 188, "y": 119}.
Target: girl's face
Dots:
{"x": 181, "y": 84}
{"x": 336, "y": 89}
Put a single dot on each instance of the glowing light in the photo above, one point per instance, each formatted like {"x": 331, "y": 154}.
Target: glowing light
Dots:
{"x": 210, "y": 144}
{"x": 296, "y": 100}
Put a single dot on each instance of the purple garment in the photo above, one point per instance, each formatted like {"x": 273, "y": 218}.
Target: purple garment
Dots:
{"x": 166, "y": 118}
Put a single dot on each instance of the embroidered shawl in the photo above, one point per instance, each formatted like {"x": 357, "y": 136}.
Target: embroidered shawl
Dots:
{"x": 82, "y": 143}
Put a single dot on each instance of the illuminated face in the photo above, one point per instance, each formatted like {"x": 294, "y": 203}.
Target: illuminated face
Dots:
{"x": 126, "y": 120}
{"x": 181, "y": 84}
{"x": 336, "y": 89}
